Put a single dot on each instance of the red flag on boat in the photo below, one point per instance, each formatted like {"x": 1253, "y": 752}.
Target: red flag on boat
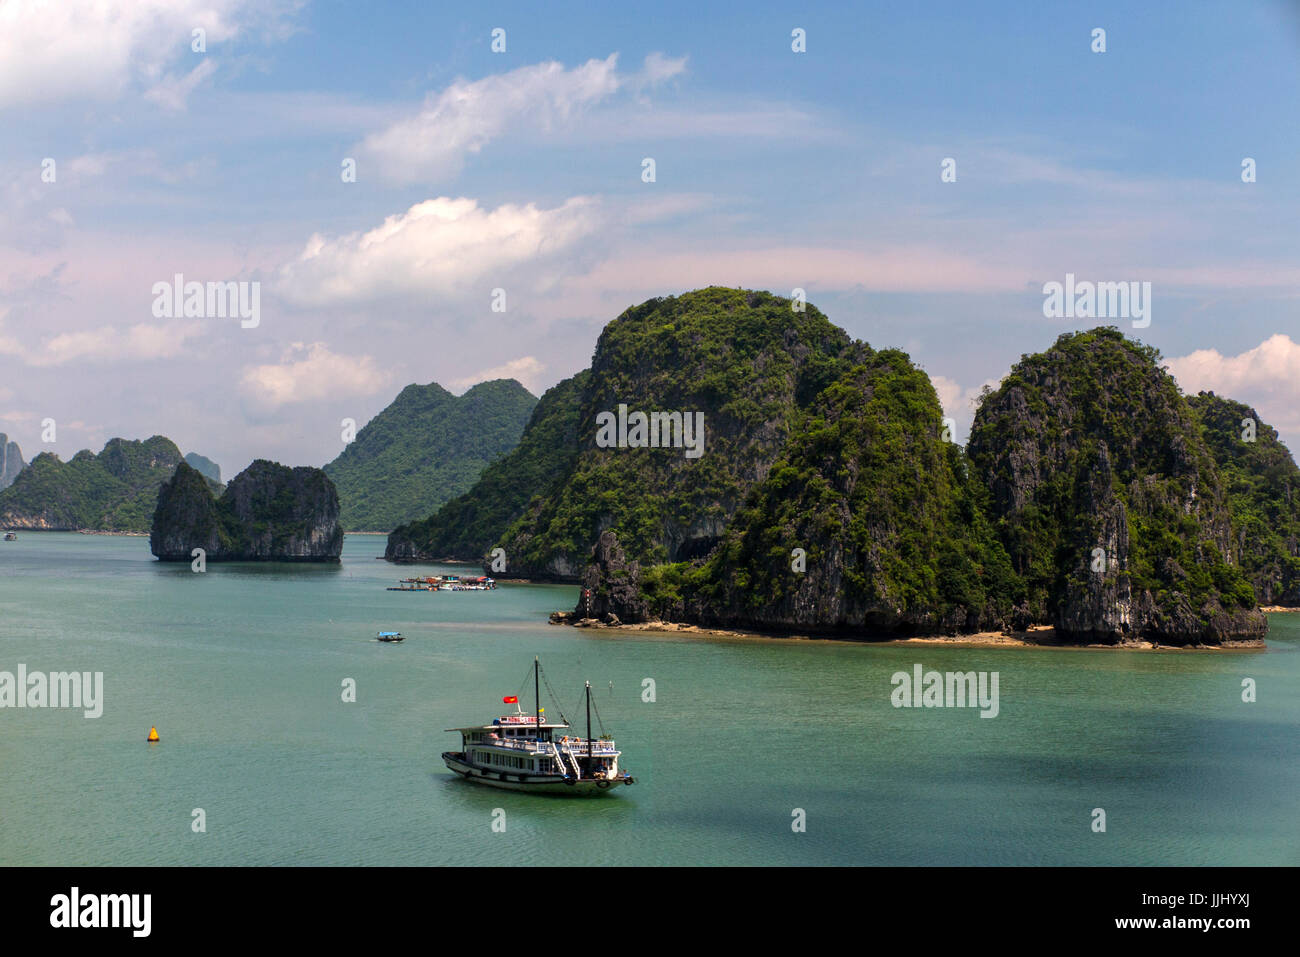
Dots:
{"x": 510, "y": 699}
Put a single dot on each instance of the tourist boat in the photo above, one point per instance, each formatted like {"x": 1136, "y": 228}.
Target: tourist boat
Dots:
{"x": 11, "y": 537}
{"x": 389, "y": 636}
{"x": 523, "y": 752}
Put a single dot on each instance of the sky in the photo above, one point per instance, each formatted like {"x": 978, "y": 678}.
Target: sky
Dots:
{"x": 385, "y": 177}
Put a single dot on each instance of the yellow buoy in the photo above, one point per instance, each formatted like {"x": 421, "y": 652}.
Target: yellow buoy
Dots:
{"x": 153, "y": 734}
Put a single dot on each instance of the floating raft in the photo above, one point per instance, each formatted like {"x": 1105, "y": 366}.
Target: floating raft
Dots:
{"x": 444, "y": 583}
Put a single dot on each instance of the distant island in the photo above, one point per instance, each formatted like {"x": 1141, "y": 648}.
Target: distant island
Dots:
{"x": 1093, "y": 496}
{"x": 426, "y": 447}
{"x": 114, "y": 491}
{"x": 268, "y": 512}
{"x": 11, "y": 461}
{"x": 205, "y": 466}
{"x": 468, "y": 525}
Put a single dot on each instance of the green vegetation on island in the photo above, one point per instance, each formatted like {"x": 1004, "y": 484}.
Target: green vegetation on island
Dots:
{"x": 827, "y": 500}
{"x": 746, "y": 360}
{"x": 466, "y": 527}
{"x": 114, "y": 491}
{"x": 1107, "y": 498}
{"x": 427, "y": 447}
{"x": 1263, "y": 486}
{"x": 887, "y": 521}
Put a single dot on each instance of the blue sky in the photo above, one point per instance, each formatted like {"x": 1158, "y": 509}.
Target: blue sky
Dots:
{"x": 521, "y": 170}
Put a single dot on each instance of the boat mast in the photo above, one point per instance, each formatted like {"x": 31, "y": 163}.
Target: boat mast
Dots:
{"x": 537, "y": 698}
{"x": 589, "y": 727}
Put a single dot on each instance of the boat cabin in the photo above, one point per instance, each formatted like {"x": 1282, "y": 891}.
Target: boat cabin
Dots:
{"x": 512, "y": 742}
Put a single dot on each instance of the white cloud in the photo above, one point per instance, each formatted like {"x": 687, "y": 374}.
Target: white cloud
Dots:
{"x": 143, "y": 341}
{"x": 958, "y": 402}
{"x": 96, "y": 50}
{"x": 441, "y": 247}
{"x": 1266, "y": 377}
{"x": 526, "y": 369}
{"x": 311, "y": 372}
{"x": 659, "y": 68}
{"x": 172, "y": 92}
{"x": 90, "y": 164}
{"x": 467, "y": 115}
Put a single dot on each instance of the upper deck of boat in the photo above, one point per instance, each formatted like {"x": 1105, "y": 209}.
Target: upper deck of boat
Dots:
{"x": 512, "y": 722}
{"x": 519, "y": 733}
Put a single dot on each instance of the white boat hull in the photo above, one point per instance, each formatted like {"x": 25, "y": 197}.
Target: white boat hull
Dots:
{"x": 536, "y": 783}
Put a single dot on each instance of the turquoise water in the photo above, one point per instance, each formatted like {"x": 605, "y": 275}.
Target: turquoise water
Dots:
{"x": 241, "y": 670}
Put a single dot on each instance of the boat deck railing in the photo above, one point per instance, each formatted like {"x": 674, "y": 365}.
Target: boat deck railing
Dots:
{"x": 601, "y": 747}
{"x": 532, "y": 745}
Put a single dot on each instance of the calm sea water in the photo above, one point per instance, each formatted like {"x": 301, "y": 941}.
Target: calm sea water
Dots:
{"x": 241, "y": 670}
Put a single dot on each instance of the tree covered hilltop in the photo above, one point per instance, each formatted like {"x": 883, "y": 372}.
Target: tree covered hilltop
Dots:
{"x": 427, "y": 447}
{"x": 1093, "y": 496}
{"x": 113, "y": 491}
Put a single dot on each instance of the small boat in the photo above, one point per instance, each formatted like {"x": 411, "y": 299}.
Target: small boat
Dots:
{"x": 389, "y": 636}
{"x": 522, "y": 752}
{"x": 11, "y": 536}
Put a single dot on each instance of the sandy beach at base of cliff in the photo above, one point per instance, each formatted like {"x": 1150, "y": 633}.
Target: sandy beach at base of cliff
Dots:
{"x": 1037, "y": 636}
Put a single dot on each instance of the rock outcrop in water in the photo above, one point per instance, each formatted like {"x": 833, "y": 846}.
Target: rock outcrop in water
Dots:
{"x": 1091, "y": 500}
{"x": 828, "y": 501}
{"x": 611, "y": 586}
{"x": 1107, "y": 499}
{"x": 268, "y": 512}
{"x": 11, "y": 461}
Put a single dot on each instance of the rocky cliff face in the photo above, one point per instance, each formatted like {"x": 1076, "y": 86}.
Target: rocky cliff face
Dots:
{"x": 185, "y": 517}
{"x": 208, "y": 468}
{"x": 11, "y": 461}
{"x": 611, "y": 586}
{"x": 268, "y": 512}
{"x": 1263, "y": 487}
{"x": 868, "y": 524}
{"x": 1107, "y": 499}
